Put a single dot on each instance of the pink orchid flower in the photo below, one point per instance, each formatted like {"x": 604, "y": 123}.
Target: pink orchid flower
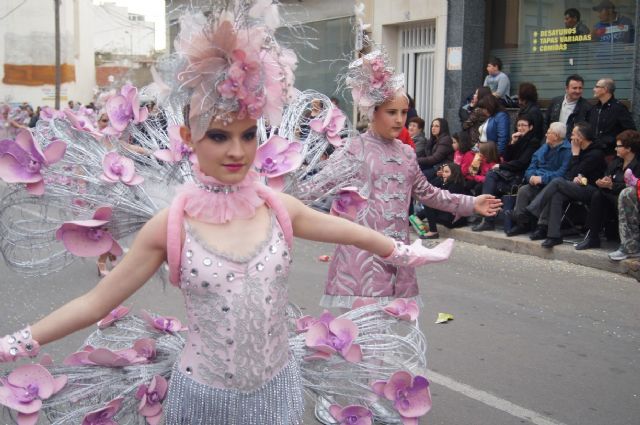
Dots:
{"x": 82, "y": 122}
{"x": 89, "y": 238}
{"x": 151, "y": 397}
{"x": 48, "y": 114}
{"x": 347, "y": 203}
{"x": 177, "y": 148}
{"x": 142, "y": 352}
{"x": 115, "y": 315}
{"x": 305, "y": 322}
{"x": 117, "y": 168}
{"x": 330, "y": 126}
{"x": 104, "y": 415}
{"x": 351, "y": 415}
{"x": 403, "y": 309}
{"x": 166, "y": 324}
{"x": 337, "y": 336}
{"x": 361, "y": 302}
{"x": 25, "y": 388}
{"x": 410, "y": 395}
{"x": 124, "y": 108}
{"x": 277, "y": 157}
{"x": 21, "y": 161}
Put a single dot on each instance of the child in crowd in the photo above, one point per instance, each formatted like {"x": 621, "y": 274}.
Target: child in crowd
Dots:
{"x": 482, "y": 162}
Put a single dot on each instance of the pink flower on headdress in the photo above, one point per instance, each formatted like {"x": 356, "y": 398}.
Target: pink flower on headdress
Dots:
{"x": 331, "y": 126}
{"x": 113, "y": 316}
{"x": 410, "y": 395}
{"x": 151, "y": 398}
{"x": 143, "y": 351}
{"x": 177, "y": 148}
{"x": 104, "y": 415}
{"x": 278, "y": 157}
{"x": 125, "y": 108}
{"x": 25, "y": 388}
{"x": 163, "y": 323}
{"x": 403, "y": 309}
{"x": 89, "y": 238}
{"x": 21, "y": 161}
{"x": 47, "y": 113}
{"x": 351, "y": 415}
{"x": 337, "y": 336}
{"x": 82, "y": 122}
{"x": 117, "y": 168}
{"x": 347, "y": 203}
{"x": 305, "y": 322}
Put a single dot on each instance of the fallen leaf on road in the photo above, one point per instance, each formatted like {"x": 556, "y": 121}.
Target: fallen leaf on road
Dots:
{"x": 444, "y": 317}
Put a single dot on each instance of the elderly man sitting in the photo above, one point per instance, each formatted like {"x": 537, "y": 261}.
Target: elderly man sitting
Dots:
{"x": 551, "y": 160}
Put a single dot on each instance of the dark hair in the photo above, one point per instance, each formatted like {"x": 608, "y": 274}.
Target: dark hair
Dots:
{"x": 572, "y": 13}
{"x": 491, "y": 104}
{"x": 464, "y": 141}
{"x": 489, "y": 150}
{"x": 456, "y": 173}
{"x": 495, "y": 62}
{"x": 412, "y": 103}
{"x": 584, "y": 128}
{"x": 573, "y": 77}
{"x": 419, "y": 121}
{"x": 483, "y": 91}
{"x": 335, "y": 100}
{"x": 525, "y": 117}
{"x": 444, "y": 128}
{"x": 528, "y": 92}
{"x": 630, "y": 139}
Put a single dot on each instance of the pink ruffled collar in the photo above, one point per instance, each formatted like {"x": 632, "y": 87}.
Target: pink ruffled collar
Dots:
{"x": 211, "y": 201}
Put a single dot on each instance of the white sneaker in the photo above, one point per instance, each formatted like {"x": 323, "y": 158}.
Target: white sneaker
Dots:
{"x": 620, "y": 255}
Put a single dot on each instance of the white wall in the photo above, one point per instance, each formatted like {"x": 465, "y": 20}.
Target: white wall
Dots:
{"x": 114, "y": 32}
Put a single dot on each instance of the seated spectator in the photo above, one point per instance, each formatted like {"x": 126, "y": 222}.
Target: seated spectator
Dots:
{"x": 437, "y": 150}
{"x": 504, "y": 177}
{"x": 578, "y": 184}
{"x": 604, "y": 200}
{"x": 572, "y": 20}
{"x": 609, "y": 117}
{"x": 628, "y": 225}
{"x": 612, "y": 27}
{"x": 483, "y": 161}
{"x": 462, "y": 153}
{"x": 551, "y": 160}
{"x": 465, "y": 110}
{"x": 496, "y": 127}
{"x": 451, "y": 179}
{"x": 416, "y": 131}
{"x": 528, "y": 101}
{"x": 570, "y": 108}
{"x": 405, "y": 138}
{"x": 497, "y": 80}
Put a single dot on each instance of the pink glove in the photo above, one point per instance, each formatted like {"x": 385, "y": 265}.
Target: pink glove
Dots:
{"x": 19, "y": 344}
{"x": 416, "y": 255}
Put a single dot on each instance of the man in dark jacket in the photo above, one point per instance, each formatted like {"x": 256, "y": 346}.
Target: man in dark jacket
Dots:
{"x": 587, "y": 165}
{"x": 609, "y": 117}
{"x": 570, "y": 108}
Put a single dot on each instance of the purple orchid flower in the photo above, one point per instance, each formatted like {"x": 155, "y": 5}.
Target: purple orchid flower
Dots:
{"x": 104, "y": 415}
{"x": 337, "y": 336}
{"x": 410, "y": 395}
{"x": 113, "y": 316}
{"x": 124, "y": 108}
{"x": 25, "y": 388}
{"x": 117, "y": 168}
{"x": 22, "y": 160}
{"x": 82, "y": 122}
{"x": 331, "y": 126}
{"x": 142, "y": 352}
{"x": 277, "y": 157}
{"x": 151, "y": 398}
{"x": 48, "y": 114}
{"x": 166, "y": 324}
{"x": 177, "y": 148}
{"x": 89, "y": 238}
{"x": 305, "y": 322}
{"x": 403, "y": 309}
{"x": 351, "y": 415}
{"x": 347, "y": 203}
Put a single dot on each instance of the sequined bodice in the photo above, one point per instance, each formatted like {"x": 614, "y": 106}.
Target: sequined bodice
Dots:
{"x": 236, "y": 309}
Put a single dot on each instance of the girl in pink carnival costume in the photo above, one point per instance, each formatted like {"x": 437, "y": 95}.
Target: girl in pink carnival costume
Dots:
{"x": 227, "y": 240}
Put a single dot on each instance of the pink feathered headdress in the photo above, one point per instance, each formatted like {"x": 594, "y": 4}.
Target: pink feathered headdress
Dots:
{"x": 233, "y": 65}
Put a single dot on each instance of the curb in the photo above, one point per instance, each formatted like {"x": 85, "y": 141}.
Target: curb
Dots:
{"x": 596, "y": 258}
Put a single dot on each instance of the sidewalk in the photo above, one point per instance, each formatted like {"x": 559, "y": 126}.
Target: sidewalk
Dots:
{"x": 596, "y": 258}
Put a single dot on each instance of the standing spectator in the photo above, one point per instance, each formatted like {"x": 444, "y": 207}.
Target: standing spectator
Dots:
{"x": 467, "y": 109}
{"x": 572, "y": 20}
{"x": 497, "y": 80}
{"x": 416, "y": 131}
{"x": 587, "y": 165}
{"x": 609, "y": 117}
{"x": 612, "y": 27}
{"x": 605, "y": 200}
{"x": 628, "y": 224}
{"x": 528, "y": 101}
{"x": 548, "y": 162}
{"x": 496, "y": 127}
{"x": 570, "y": 108}
{"x": 437, "y": 150}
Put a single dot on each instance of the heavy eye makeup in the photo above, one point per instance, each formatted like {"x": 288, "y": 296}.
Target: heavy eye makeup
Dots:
{"x": 221, "y": 136}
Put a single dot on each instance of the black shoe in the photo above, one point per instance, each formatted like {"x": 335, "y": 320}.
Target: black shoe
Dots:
{"x": 517, "y": 230}
{"x": 551, "y": 242}
{"x": 588, "y": 243}
{"x": 539, "y": 234}
{"x": 483, "y": 225}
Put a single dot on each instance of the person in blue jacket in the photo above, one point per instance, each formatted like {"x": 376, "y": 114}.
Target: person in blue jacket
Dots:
{"x": 497, "y": 127}
{"x": 551, "y": 160}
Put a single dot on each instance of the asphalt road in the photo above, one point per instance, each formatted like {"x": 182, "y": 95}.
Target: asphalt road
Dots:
{"x": 533, "y": 341}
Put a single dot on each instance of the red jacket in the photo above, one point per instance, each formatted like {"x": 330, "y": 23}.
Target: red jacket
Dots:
{"x": 406, "y": 138}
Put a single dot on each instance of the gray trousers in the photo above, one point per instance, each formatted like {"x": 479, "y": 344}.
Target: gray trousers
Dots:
{"x": 629, "y": 220}
{"x": 526, "y": 194}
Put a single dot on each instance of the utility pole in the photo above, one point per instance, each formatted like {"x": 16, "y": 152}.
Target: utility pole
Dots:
{"x": 56, "y": 5}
